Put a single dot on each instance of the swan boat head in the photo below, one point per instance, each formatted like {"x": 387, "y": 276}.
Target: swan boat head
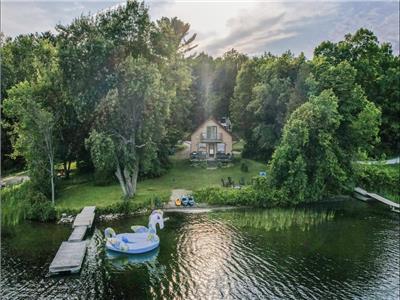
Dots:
{"x": 155, "y": 218}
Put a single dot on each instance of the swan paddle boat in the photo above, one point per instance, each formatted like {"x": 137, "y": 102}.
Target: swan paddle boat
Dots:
{"x": 120, "y": 260}
{"x": 142, "y": 240}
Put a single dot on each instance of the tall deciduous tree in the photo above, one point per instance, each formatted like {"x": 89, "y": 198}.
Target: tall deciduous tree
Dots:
{"x": 377, "y": 72}
{"x": 131, "y": 120}
{"x": 267, "y": 90}
{"x": 90, "y": 49}
{"x": 324, "y": 136}
{"x": 359, "y": 128}
{"x": 35, "y": 133}
{"x": 305, "y": 165}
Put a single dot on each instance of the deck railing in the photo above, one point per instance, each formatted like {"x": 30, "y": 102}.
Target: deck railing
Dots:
{"x": 211, "y": 137}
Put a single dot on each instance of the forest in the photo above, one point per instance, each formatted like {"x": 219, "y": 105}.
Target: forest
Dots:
{"x": 115, "y": 92}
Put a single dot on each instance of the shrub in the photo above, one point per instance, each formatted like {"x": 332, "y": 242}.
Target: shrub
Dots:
{"x": 379, "y": 178}
{"x": 247, "y": 196}
{"x": 42, "y": 211}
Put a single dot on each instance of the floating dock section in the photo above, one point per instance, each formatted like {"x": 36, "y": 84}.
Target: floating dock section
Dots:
{"x": 363, "y": 195}
{"x": 70, "y": 255}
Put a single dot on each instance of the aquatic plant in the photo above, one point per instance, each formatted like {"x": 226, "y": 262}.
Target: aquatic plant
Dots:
{"x": 276, "y": 219}
{"x": 14, "y": 204}
{"x": 21, "y": 202}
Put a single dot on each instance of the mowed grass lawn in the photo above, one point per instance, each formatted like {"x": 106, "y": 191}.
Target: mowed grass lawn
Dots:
{"x": 80, "y": 191}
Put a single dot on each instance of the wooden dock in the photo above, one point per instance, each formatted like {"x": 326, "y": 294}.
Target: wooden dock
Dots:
{"x": 363, "y": 195}
{"x": 78, "y": 234}
{"x": 69, "y": 258}
{"x": 85, "y": 217}
{"x": 70, "y": 255}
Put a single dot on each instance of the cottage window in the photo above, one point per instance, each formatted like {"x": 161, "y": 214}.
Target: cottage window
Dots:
{"x": 220, "y": 148}
{"x": 211, "y": 132}
{"x": 201, "y": 147}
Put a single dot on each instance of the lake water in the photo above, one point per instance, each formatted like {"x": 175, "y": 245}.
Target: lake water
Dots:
{"x": 342, "y": 250}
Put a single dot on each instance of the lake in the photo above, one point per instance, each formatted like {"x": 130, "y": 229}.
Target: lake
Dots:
{"x": 340, "y": 250}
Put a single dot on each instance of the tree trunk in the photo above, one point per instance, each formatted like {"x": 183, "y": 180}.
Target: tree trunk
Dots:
{"x": 135, "y": 177}
{"x": 120, "y": 177}
{"x": 52, "y": 181}
{"x": 128, "y": 181}
{"x": 67, "y": 169}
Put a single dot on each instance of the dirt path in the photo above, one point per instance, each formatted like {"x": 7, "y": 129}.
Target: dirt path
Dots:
{"x": 12, "y": 180}
{"x": 185, "y": 152}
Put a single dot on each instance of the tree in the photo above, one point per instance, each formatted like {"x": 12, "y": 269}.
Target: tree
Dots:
{"x": 266, "y": 92}
{"x": 243, "y": 94}
{"x": 359, "y": 128}
{"x": 378, "y": 74}
{"x": 35, "y": 133}
{"x": 171, "y": 41}
{"x": 20, "y": 59}
{"x": 131, "y": 122}
{"x": 324, "y": 136}
{"x": 305, "y": 165}
{"x": 92, "y": 47}
{"x": 90, "y": 50}
{"x": 226, "y": 70}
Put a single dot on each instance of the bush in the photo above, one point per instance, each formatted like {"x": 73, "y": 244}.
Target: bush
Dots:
{"x": 379, "y": 178}
{"x": 247, "y": 196}
{"x": 42, "y": 211}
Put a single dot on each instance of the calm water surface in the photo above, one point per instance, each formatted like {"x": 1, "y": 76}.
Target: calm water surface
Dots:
{"x": 346, "y": 250}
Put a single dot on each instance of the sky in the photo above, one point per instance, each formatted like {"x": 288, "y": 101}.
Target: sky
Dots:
{"x": 251, "y": 27}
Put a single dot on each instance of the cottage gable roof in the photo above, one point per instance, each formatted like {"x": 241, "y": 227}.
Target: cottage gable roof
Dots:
{"x": 215, "y": 121}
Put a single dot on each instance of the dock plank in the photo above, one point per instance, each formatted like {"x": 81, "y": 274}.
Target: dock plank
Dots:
{"x": 84, "y": 220}
{"x": 384, "y": 200}
{"x": 78, "y": 234}
{"x": 362, "y": 197}
{"x": 88, "y": 210}
{"x": 69, "y": 257}
{"x": 361, "y": 191}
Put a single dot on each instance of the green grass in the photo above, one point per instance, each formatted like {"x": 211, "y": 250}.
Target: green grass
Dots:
{"x": 391, "y": 196}
{"x": 238, "y": 146}
{"x": 79, "y": 191}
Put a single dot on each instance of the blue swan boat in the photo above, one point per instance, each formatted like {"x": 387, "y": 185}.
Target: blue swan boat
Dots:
{"x": 142, "y": 240}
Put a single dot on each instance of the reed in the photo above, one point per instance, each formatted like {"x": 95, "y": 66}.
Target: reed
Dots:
{"x": 276, "y": 219}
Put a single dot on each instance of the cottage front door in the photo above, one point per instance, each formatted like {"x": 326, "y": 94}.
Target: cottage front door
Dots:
{"x": 211, "y": 150}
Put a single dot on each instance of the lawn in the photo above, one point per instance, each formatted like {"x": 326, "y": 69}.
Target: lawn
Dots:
{"x": 79, "y": 191}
